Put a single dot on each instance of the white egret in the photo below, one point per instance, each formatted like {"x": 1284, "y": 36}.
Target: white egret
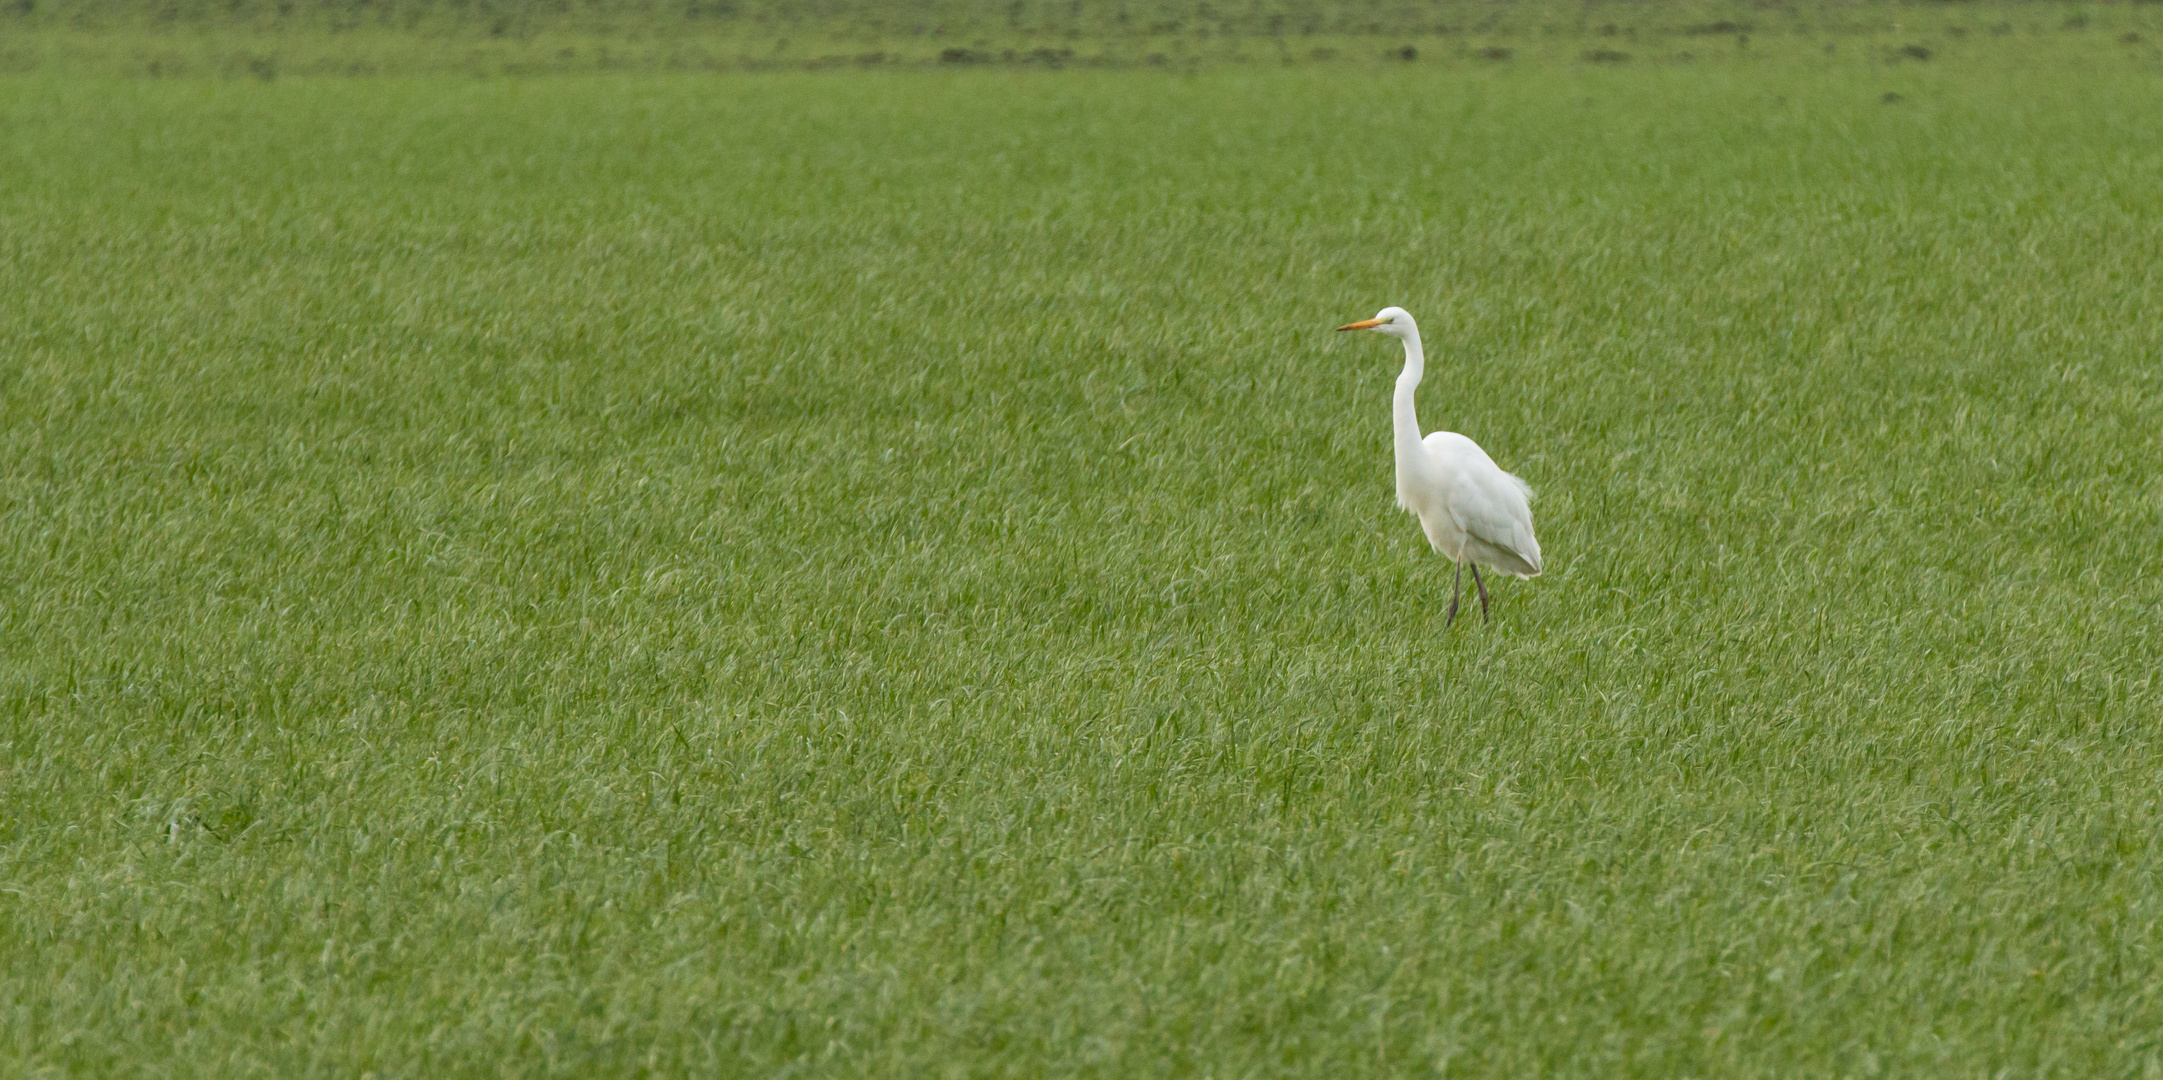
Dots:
{"x": 1469, "y": 508}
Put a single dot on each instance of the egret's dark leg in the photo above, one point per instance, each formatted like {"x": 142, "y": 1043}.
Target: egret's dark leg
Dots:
{"x": 1454, "y": 596}
{"x": 1482, "y": 587}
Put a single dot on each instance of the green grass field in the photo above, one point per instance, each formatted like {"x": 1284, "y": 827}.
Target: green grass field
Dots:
{"x": 889, "y": 571}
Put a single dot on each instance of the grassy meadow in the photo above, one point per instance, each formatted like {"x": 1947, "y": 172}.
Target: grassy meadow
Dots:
{"x": 888, "y": 570}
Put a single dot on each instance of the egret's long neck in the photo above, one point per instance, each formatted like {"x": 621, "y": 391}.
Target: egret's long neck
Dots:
{"x": 1411, "y": 455}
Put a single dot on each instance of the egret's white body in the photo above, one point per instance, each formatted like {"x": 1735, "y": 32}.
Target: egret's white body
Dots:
{"x": 1470, "y": 509}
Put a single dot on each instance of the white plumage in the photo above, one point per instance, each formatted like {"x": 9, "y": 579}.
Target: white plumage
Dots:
{"x": 1470, "y": 509}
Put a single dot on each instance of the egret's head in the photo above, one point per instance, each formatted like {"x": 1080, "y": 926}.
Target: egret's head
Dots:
{"x": 1394, "y": 321}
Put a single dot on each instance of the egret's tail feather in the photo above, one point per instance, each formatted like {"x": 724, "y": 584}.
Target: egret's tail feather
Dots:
{"x": 1525, "y": 564}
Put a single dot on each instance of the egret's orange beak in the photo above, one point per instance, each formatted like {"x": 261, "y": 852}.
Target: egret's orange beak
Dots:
{"x": 1363, "y": 324}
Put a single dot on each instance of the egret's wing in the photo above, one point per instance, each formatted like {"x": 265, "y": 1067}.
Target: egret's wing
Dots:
{"x": 1493, "y": 507}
